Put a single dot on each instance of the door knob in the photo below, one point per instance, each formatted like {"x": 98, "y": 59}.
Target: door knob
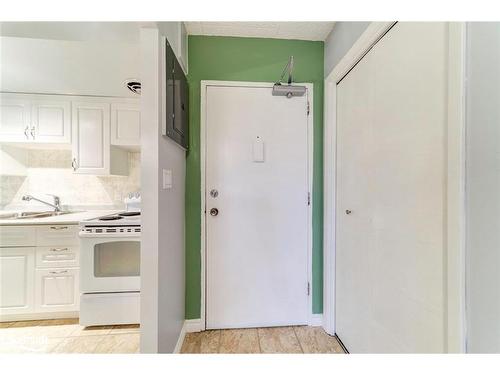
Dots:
{"x": 214, "y": 211}
{"x": 348, "y": 212}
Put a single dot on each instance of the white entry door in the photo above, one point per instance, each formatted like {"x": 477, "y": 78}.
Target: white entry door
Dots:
{"x": 390, "y": 293}
{"x": 257, "y": 180}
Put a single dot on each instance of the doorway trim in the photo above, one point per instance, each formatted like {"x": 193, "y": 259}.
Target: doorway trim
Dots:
{"x": 312, "y": 318}
{"x": 455, "y": 193}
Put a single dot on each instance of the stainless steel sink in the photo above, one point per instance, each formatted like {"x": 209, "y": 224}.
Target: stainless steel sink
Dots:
{"x": 34, "y": 215}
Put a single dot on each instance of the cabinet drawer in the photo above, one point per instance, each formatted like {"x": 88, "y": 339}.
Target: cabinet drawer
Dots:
{"x": 11, "y": 236}
{"x": 57, "y": 256}
{"x": 57, "y": 235}
{"x": 56, "y": 290}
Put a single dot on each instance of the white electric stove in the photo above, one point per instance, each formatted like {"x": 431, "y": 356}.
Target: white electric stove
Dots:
{"x": 110, "y": 269}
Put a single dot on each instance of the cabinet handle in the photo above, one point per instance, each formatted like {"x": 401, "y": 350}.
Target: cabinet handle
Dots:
{"x": 33, "y": 132}
{"x": 26, "y": 132}
{"x": 74, "y": 165}
{"x": 58, "y": 272}
{"x": 58, "y": 228}
{"x": 59, "y": 249}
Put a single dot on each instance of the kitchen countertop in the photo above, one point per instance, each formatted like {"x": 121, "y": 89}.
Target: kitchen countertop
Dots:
{"x": 73, "y": 218}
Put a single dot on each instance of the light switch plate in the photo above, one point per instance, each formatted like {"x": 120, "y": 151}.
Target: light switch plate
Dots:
{"x": 167, "y": 179}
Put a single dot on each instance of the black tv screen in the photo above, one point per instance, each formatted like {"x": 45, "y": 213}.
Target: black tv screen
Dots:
{"x": 177, "y": 98}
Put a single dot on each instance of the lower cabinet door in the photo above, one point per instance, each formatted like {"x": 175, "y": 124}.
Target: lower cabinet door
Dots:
{"x": 56, "y": 290}
{"x": 17, "y": 265}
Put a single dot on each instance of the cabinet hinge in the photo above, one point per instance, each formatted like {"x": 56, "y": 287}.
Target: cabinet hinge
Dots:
{"x": 308, "y": 289}
{"x": 308, "y": 199}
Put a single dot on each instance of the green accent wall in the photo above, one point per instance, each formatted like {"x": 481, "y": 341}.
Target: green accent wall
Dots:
{"x": 256, "y": 60}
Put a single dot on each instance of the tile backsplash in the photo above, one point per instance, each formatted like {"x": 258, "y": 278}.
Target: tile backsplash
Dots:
{"x": 49, "y": 172}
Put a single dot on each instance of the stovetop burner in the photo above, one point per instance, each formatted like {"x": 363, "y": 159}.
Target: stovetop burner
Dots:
{"x": 108, "y": 218}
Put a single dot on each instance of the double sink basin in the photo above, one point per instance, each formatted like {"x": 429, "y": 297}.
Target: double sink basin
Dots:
{"x": 34, "y": 215}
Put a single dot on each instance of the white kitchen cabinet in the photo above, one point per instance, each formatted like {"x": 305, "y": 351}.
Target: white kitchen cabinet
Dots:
{"x": 17, "y": 268}
{"x": 14, "y": 235}
{"x": 126, "y": 124}
{"x": 35, "y": 118}
{"x": 57, "y": 235}
{"x": 56, "y": 290}
{"x": 61, "y": 256}
{"x": 39, "y": 271}
{"x": 50, "y": 119}
{"x": 91, "y": 129}
{"x": 15, "y": 118}
{"x": 91, "y": 146}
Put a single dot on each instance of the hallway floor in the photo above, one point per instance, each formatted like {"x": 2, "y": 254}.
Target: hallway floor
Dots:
{"x": 296, "y": 339}
{"x": 67, "y": 336}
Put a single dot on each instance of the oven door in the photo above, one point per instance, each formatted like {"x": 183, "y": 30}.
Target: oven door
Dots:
{"x": 109, "y": 264}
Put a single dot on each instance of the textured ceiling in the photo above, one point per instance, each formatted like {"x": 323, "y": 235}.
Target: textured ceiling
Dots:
{"x": 277, "y": 30}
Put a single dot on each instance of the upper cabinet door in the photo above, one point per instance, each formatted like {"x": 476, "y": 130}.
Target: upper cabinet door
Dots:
{"x": 51, "y": 120}
{"x": 91, "y": 137}
{"x": 15, "y": 118}
{"x": 126, "y": 124}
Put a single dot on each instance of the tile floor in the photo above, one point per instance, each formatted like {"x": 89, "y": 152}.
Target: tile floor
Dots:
{"x": 67, "y": 336}
{"x": 262, "y": 340}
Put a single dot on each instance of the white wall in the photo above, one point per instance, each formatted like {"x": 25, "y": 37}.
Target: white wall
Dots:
{"x": 67, "y": 67}
{"x": 483, "y": 187}
{"x": 162, "y": 243}
{"x": 340, "y": 40}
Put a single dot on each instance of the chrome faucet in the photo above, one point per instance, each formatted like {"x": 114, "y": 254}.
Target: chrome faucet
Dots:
{"x": 57, "y": 201}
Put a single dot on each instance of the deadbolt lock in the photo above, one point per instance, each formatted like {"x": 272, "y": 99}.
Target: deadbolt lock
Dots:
{"x": 214, "y": 193}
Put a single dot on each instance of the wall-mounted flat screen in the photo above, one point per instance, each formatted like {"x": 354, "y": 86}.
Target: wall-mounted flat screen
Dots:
{"x": 177, "y": 97}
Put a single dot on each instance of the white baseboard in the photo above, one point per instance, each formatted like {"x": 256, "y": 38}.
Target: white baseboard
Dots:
{"x": 194, "y": 325}
{"x": 316, "y": 320}
{"x": 180, "y": 340}
{"x": 38, "y": 316}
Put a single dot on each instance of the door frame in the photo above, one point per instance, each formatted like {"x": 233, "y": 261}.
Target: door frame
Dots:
{"x": 455, "y": 194}
{"x": 204, "y": 84}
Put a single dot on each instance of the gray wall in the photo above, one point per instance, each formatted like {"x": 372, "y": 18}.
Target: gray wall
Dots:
{"x": 483, "y": 187}
{"x": 340, "y": 40}
{"x": 162, "y": 242}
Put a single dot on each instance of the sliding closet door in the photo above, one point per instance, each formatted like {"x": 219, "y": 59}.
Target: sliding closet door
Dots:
{"x": 355, "y": 166}
{"x": 391, "y": 246}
